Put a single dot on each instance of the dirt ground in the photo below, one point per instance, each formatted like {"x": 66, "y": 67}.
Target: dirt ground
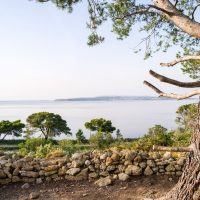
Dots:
{"x": 137, "y": 188}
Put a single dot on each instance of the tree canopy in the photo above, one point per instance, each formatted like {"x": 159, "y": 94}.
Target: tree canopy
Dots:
{"x": 14, "y": 128}
{"x": 49, "y": 124}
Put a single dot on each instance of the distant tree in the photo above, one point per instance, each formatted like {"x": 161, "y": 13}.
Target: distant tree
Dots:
{"x": 119, "y": 136}
{"x": 49, "y": 124}
{"x": 103, "y": 129}
{"x": 160, "y": 135}
{"x": 80, "y": 138}
{"x": 187, "y": 116}
{"x": 14, "y": 128}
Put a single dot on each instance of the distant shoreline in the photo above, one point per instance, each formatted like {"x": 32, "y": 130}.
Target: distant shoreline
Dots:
{"x": 115, "y": 98}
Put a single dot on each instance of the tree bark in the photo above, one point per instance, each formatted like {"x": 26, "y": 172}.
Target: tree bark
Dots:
{"x": 188, "y": 186}
{"x": 187, "y": 25}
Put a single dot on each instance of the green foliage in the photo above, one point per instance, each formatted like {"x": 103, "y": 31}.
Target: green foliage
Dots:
{"x": 80, "y": 138}
{"x": 119, "y": 136}
{"x": 187, "y": 116}
{"x": 161, "y": 32}
{"x": 100, "y": 125}
{"x": 49, "y": 124}
{"x": 159, "y": 135}
{"x": 14, "y": 128}
{"x": 31, "y": 146}
{"x": 104, "y": 129}
{"x": 181, "y": 137}
{"x": 43, "y": 150}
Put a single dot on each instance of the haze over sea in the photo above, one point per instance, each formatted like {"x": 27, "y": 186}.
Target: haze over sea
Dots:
{"x": 133, "y": 116}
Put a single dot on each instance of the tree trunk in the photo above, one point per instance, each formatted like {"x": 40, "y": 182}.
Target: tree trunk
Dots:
{"x": 188, "y": 186}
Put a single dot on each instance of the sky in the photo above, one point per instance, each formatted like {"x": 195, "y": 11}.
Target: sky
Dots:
{"x": 44, "y": 56}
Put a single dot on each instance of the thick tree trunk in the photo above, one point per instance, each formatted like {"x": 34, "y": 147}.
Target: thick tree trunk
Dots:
{"x": 188, "y": 186}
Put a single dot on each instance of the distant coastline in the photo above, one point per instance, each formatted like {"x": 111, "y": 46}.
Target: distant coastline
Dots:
{"x": 114, "y": 98}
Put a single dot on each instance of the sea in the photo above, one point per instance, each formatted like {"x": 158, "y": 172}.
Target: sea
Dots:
{"x": 133, "y": 116}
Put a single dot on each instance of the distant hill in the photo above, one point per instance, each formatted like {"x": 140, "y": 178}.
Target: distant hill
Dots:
{"x": 113, "y": 98}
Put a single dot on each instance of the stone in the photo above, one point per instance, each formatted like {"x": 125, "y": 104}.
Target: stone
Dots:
{"x": 123, "y": 177}
{"x": 138, "y": 159}
{"x": 111, "y": 168}
{"x": 103, "y": 166}
{"x": 130, "y": 155}
{"x": 148, "y": 171}
{"x": 178, "y": 167}
{"x": 128, "y": 162}
{"x": 133, "y": 170}
{"x": 104, "y": 174}
{"x": 39, "y": 181}
{"x": 143, "y": 165}
{"x": 179, "y": 173}
{"x": 73, "y": 171}
{"x": 91, "y": 168}
{"x": 156, "y": 155}
{"x": 77, "y": 156}
{"x": 28, "y": 180}
{"x": 170, "y": 168}
{"x": 16, "y": 171}
{"x": 27, "y": 168}
{"x": 30, "y": 174}
{"x": 2, "y": 174}
{"x": 102, "y": 182}
{"x": 155, "y": 169}
{"x": 170, "y": 179}
{"x": 16, "y": 179}
{"x": 151, "y": 163}
{"x": 87, "y": 162}
{"x": 50, "y": 173}
{"x": 62, "y": 171}
{"x": 181, "y": 161}
{"x": 5, "y": 181}
{"x": 51, "y": 168}
{"x": 109, "y": 161}
{"x": 115, "y": 177}
{"x": 7, "y": 172}
{"x": 34, "y": 195}
{"x": 167, "y": 156}
{"x": 82, "y": 175}
{"x": 93, "y": 175}
{"x": 115, "y": 157}
{"x": 77, "y": 163}
{"x": 25, "y": 186}
{"x": 103, "y": 156}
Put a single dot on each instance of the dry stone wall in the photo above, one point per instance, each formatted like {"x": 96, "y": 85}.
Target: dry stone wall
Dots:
{"x": 105, "y": 166}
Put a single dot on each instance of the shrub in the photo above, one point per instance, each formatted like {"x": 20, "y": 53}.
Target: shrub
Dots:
{"x": 30, "y": 146}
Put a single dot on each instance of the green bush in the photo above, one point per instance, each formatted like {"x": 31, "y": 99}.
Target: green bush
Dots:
{"x": 30, "y": 146}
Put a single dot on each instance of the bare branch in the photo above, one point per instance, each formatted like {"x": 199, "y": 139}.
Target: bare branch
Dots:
{"x": 172, "y": 95}
{"x": 153, "y": 87}
{"x": 172, "y": 149}
{"x": 195, "y": 10}
{"x": 174, "y": 82}
{"x": 178, "y": 60}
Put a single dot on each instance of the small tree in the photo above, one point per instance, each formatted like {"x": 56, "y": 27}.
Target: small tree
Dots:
{"x": 187, "y": 116}
{"x": 159, "y": 135}
{"x": 80, "y": 138}
{"x": 14, "y": 128}
{"x": 49, "y": 124}
{"x": 119, "y": 136}
{"x": 104, "y": 129}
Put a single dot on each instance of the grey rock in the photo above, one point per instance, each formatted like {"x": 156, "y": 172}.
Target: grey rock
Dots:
{"x": 104, "y": 182}
{"x": 73, "y": 171}
{"x": 123, "y": 177}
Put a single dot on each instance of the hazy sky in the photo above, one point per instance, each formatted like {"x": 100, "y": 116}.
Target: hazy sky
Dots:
{"x": 44, "y": 55}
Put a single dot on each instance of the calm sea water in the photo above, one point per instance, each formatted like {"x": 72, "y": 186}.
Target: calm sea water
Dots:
{"x": 133, "y": 118}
